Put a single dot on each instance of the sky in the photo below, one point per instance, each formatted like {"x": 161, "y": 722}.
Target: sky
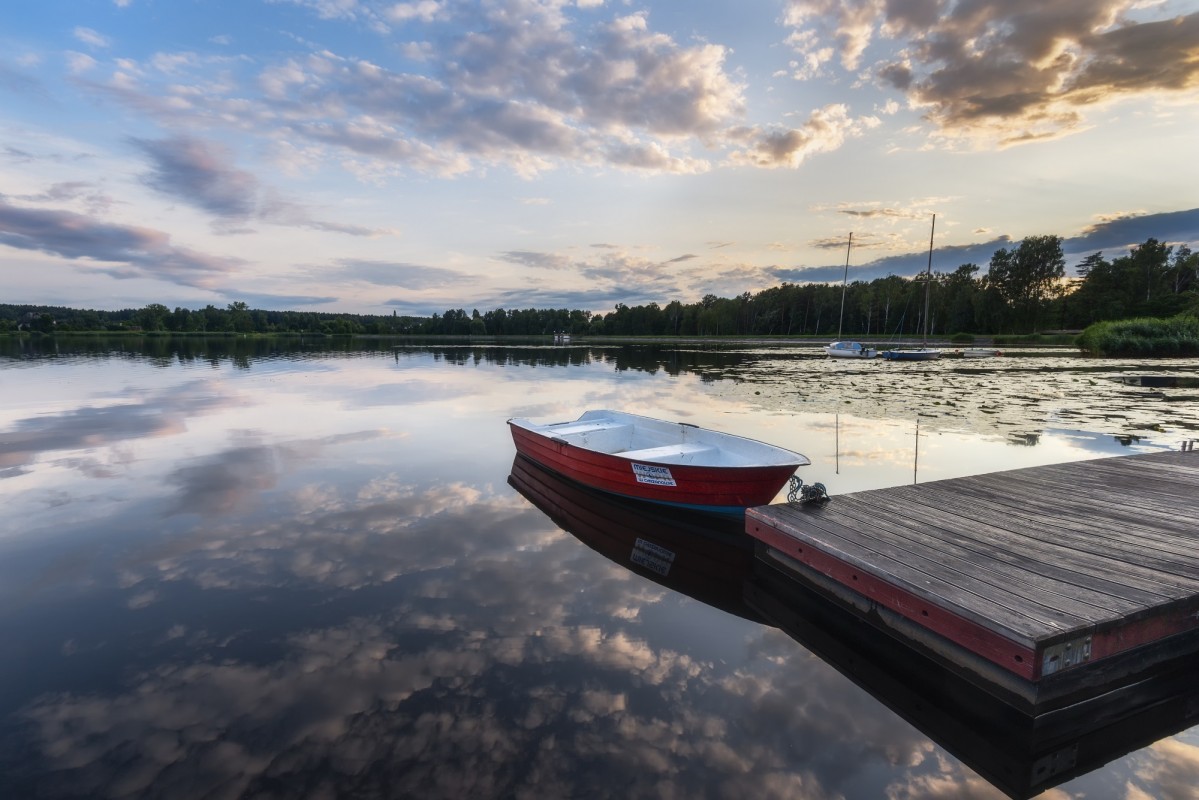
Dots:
{"x": 413, "y": 157}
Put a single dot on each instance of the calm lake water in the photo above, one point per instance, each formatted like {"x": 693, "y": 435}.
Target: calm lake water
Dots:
{"x": 236, "y": 568}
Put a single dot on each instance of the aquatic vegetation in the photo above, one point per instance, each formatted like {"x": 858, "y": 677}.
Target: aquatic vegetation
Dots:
{"x": 1146, "y": 336}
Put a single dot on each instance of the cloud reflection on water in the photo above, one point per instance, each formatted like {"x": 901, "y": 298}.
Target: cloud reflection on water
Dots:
{"x": 310, "y": 590}
{"x": 98, "y": 426}
{"x": 408, "y": 696}
{"x": 232, "y": 479}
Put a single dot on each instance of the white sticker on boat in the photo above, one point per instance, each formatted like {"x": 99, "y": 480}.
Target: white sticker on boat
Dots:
{"x": 649, "y": 562}
{"x": 654, "y": 474}
{"x": 656, "y": 550}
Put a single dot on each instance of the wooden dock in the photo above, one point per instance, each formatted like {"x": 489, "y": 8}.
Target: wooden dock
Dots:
{"x": 1043, "y": 585}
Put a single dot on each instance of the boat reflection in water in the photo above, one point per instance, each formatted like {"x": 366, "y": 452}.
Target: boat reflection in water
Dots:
{"x": 710, "y": 559}
{"x": 704, "y": 556}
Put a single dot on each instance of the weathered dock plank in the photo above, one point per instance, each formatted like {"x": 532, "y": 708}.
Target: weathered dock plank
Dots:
{"x": 937, "y": 572}
{"x": 1107, "y": 585}
{"x": 1149, "y": 512}
{"x": 1089, "y": 544}
{"x": 1038, "y": 571}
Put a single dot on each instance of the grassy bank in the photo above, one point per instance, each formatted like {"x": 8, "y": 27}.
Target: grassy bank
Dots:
{"x": 1173, "y": 336}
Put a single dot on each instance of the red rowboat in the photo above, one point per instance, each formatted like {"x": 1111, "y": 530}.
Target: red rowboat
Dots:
{"x": 664, "y": 462}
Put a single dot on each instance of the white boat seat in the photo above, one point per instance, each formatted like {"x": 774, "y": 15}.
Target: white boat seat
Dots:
{"x": 670, "y": 452}
{"x": 585, "y": 427}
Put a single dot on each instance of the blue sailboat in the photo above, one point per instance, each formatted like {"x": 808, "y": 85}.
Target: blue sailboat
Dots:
{"x": 924, "y": 352}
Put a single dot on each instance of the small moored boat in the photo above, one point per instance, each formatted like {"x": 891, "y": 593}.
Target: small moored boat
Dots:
{"x": 849, "y": 350}
{"x": 980, "y": 352}
{"x": 912, "y": 354}
{"x": 664, "y": 462}
{"x": 841, "y": 349}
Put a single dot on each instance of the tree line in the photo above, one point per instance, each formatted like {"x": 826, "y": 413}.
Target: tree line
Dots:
{"x": 1023, "y": 290}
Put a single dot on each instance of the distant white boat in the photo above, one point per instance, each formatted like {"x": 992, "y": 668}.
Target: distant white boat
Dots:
{"x": 850, "y": 350}
{"x": 980, "y": 352}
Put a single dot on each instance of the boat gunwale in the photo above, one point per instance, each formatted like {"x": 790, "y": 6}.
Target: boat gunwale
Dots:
{"x": 752, "y": 447}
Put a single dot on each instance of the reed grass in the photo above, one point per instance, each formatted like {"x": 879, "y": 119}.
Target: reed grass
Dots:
{"x": 1145, "y": 336}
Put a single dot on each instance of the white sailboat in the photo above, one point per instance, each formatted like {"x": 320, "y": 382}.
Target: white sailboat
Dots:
{"x": 840, "y": 349}
{"x": 924, "y": 352}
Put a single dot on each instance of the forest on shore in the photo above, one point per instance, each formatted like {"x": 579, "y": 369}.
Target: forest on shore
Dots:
{"x": 1023, "y": 290}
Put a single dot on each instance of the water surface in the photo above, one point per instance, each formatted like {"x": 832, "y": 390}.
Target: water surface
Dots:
{"x": 244, "y": 568}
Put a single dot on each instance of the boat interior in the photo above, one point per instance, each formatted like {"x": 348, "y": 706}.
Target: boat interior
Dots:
{"x": 644, "y": 443}
{"x": 617, "y": 437}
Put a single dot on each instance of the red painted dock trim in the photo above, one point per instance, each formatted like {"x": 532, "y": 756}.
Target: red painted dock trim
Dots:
{"x": 1017, "y": 658}
{"x": 1137, "y": 633}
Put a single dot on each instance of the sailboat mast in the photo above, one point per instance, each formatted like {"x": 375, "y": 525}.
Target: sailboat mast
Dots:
{"x": 844, "y": 281}
{"x": 928, "y": 277}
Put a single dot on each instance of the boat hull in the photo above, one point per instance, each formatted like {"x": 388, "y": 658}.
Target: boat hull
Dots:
{"x": 713, "y": 489}
{"x": 923, "y": 354}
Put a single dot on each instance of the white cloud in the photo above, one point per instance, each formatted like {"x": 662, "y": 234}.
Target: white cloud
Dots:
{"x": 1009, "y": 72}
{"x": 91, "y": 37}
{"x": 826, "y": 130}
{"x": 333, "y": 9}
{"x": 424, "y": 10}
{"x": 79, "y": 63}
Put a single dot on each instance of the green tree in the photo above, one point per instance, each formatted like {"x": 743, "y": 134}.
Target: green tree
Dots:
{"x": 239, "y": 317}
{"x": 892, "y": 293}
{"x": 1148, "y": 266}
{"x": 959, "y": 291}
{"x": 1186, "y": 269}
{"x": 152, "y": 318}
{"x": 1028, "y": 277}
{"x": 496, "y": 321}
{"x": 580, "y": 321}
{"x": 1101, "y": 294}
{"x": 1090, "y": 263}
{"x": 477, "y": 326}
{"x": 182, "y": 319}
{"x": 215, "y": 319}
{"x": 1145, "y": 282}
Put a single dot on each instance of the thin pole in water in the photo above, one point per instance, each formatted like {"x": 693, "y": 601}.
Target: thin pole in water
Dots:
{"x": 844, "y": 281}
{"x": 838, "y": 443}
{"x": 916, "y": 457}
